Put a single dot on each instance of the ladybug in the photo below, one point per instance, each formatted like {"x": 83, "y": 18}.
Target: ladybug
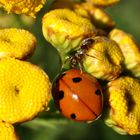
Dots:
{"x": 78, "y": 95}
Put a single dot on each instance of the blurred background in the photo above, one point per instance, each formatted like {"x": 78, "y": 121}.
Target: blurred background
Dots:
{"x": 50, "y": 125}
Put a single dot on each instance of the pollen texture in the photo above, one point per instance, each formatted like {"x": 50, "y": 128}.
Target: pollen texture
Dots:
{"x": 16, "y": 43}
{"x": 24, "y": 90}
{"x": 28, "y": 7}
{"x": 124, "y": 105}
{"x": 7, "y": 132}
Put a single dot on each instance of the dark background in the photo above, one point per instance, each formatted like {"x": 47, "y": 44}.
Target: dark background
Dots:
{"x": 50, "y": 125}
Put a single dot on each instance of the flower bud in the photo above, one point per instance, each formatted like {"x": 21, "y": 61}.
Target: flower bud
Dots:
{"x": 103, "y": 2}
{"x": 97, "y": 15}
{"x": 65, "y": 29}
{"x": 103, "y": 59}
{"x": 123, "y": 105}
{"x": 130, "y": 50}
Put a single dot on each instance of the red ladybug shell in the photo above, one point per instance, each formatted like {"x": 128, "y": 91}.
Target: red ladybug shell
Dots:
{"x": 78, "y": 95}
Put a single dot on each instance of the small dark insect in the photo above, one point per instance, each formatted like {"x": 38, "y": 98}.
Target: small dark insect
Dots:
{"x": 87, "y": 42}
{"x": 76, "y": 57}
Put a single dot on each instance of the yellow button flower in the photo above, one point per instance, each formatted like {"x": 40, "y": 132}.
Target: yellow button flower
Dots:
{"x": 123, "y": 101}
{"x": 103, "y": 59}
{"x": 17, "y": 43}
{"x": 7, "y": 132}
{"x": 97, "y": 15}
{"x": 130, "y": 50}
{"x": 65, "y": 29}
{"x": 24, "y": 90}
{"x": 103, "y": 2}
{"x": 28, "y": 7}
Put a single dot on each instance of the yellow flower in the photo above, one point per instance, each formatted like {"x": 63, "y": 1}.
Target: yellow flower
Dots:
{"x": 17, "y": 43}
{"x": 103, "y": 2}
{"x": 7, "y": 132}
{"x": 65, "y": 29}
{"x": 103, "y": 59}
{"x": 28, "y": 7}
{"x": 123, "y": 101}
{"x": 24, "y": 90}
{"x": 130, "y": 50}
{"x": 97, "y": 15}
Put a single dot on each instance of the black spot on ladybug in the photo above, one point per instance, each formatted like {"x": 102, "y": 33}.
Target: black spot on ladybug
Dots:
{"x": 61, "y": 94}
{"x": 76, "y": 79}
{"x": 73, "y": 116}
{"x": 98, "y": 92}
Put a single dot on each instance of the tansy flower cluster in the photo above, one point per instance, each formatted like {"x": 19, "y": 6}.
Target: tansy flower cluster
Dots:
{"x": 28, "y": 7}
{"x": 85, "y": 38}
{"x": 25, "y": 88}
{"x": 84, "y": 31}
